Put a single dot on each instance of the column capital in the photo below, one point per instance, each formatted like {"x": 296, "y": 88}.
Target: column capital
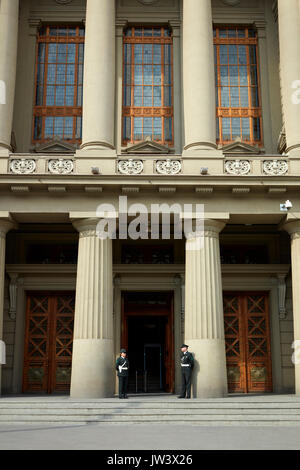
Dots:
{"x": 6, "y": 226}
{"x": 86, "y": 227}
{"x": 293, "y": 228}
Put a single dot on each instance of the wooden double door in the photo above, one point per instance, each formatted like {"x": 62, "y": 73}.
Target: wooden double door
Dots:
{"x": 48, "y": 342}
{"x": 247, "y": 337}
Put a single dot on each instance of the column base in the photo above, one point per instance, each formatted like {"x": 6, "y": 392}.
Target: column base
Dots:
{"x": 209, "y": 375}
{"x": 92, "y": 368}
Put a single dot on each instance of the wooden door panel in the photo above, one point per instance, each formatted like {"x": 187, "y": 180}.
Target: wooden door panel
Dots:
{"x": 247, "y": 338}
{"x": 48, "y": 342}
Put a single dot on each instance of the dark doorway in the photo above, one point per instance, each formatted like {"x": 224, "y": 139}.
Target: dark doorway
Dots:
{"x": 147, "y": 333}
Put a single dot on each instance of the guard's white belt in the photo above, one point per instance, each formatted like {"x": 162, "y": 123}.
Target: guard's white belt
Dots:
{"x": 124, "y": 368}
{"x": 185, "y": 365}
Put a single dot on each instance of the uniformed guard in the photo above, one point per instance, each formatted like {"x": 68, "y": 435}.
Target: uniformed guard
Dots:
{"x": 122, "y": 367}
{"x": 187, "y": 365}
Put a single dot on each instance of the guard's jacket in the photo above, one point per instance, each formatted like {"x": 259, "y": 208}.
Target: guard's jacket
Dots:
{"x": 122, "y": 366}
{"x": 187, "y": 361}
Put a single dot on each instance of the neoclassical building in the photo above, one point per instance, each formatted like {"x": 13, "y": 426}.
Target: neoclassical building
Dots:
{"x": 162, "y": 103}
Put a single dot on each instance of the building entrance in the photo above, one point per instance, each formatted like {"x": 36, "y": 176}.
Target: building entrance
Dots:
{"x": 247, "y": 336}
{"x": 147, "y": 334}
{"x": 48, "y": 342}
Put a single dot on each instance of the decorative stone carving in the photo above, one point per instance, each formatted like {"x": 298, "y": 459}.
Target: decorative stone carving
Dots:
{"x": 275, "y": 167}
{"x": 61, "y": 166}
{"x": 130, "y": 167}
{"x": 237, "y": 167}
{"x": 22, "y": 166}
{"x": 168, "y": 167}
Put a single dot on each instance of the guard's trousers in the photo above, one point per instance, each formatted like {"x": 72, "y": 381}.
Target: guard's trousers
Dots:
{"x": 123, "y": 384}
{"x": 186, "y": 377}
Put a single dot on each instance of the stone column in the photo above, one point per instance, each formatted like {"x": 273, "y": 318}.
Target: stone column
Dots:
{"x": 198, "y": 77}
{"x": 293, "y": 228}
{"x": 99, "y": 76}
{"x": 289, "y": 44}
{"x": 204, "y": 320}
{"x": 93, "y": 358}
{"x": 9, "y": 18}
{"x": 5, "y": 226}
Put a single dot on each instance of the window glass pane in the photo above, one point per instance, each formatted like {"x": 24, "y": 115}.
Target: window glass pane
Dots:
{"x": 78, "y": 127}
{"x": 68, "y": 131}
{"x": 80, "y": 75}
{"x": 243, "y": 75}
{"x": 147, "y": 128}
{"x": 39, "y": 95}
{"x": 156, "y": 31}
{"x": 50, "y": 96}
{"x": 71, "y": 53}
{"x": 242, "y": 55}
{"x": 128, "y": 32}
{"x": 138, "y": 54}
{"x": 138, "y": 32}
{"x": 62, "y": 31}
{"x": 168, "y": 96}
{"x": 254, "y": 96}
{"x": 251, "y": 33}
{"x": 231, "y": 33}
{"x": 60, "y": 96}
{"x": 61, "y": 53}
{"x": 127, "y": 127}
{"x": 157, "y": 74}
{"x": 148, "y": 77}
{"x": 147, "y": 32}
{"x": 138, "y": 96}
{"x": 246, "y": 128}
{"x": 41, "y": 53}
{"x": 223, "y": 33}
{"x": 225, "y": 103}
{"x": 236, "y": 127}
{"x": 234, "y": 96}
{"x": 138, "y": 74}
{"x": 157, "y": 131}
{"x": 61, "y": 74}
{"x": 252, "y": 54}
{"x": 80, "y": 53}
{"x": 218, "y": 128}
{"x": 167, "y": 73}
{"x": 241, "y": 33}
{"x": 48, "y": 127}
{"x": 127, "y": 53}
{"x": 138, "y": 128}
{"x": 52, "y": 53}
{"x": 224, "y": 75}
{"x": 72, "y": 32}
{"x": 234, "y": 75}
{"x": 147, "y": 53}
{"x": 256, "y": 128}
{"x": 232, "y": 54}
{"x": 148, "y": 96}
{"x": 223, "y": 54}
{"x": 58, "y": 126}
{"x": 157, "y": 96}
{"x": 127, "y": 96}
{"x": 157, "y": 54}
{"x": 253, "y": 75}
{"x": 51, "y": 74}
{"x": 244, "y": 97}
{"x": 226, "y": 133}
{"x": 168, "y": 129}
{"x": 70, "y": 95}
{"x": 71, "y": 74}
{"x": 167, "y": 53}
{"x": 79, "y": 96}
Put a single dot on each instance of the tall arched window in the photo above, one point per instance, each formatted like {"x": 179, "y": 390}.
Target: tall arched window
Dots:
{"x": 59, "y": 82}
{"x": 148, "y": 85}
{"x": 237, "y": 85}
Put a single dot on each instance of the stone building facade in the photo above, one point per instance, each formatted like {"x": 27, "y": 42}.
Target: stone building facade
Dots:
{"x": 164, "y": 102}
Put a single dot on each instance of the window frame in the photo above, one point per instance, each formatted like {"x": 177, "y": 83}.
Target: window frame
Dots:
{"x": 162, "y": 111}
{"x": 43, "y": 111}
{"x": 251, "y": 112}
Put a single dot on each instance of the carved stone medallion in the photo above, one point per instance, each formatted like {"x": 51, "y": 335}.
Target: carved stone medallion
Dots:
{"x": 168, "y": 167}
{"x": 275, "y": 167}
{"x": 130, "y": 167}
{"x": 22, "y": 166}
{"x": 237, "y": 167}
{"x": 60, "y": 166}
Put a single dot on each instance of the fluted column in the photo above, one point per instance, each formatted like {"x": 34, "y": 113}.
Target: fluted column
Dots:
{"x": 289, "y": 43}
{"x": 9, "y": 18}
{"x": 204, "y": 320}
{"x": 5, "y": 226}
{"x": 293, "y": 228}
{"x": 198, "y": 77}
{"x": 99, "y": 76}
{"x": 93, "y": 360}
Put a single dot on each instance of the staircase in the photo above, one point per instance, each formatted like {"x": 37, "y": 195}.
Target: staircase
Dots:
{"x": 166, "y": 409}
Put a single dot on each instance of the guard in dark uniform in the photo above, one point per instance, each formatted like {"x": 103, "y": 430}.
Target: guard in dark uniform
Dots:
{"x": 122, "y": 368}
{"x": 187, "y": 365}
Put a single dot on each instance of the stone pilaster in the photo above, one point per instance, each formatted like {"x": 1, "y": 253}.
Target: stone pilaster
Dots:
{"x": 198, "y": 77}
{"x": 289, "y": 44}
{"x": 99, "y": 77}
{"x": 93, "y": 359}
{"x": 204, "y": 320}
{"x": 5, "y": 226}
{"x": 9, "y": 18}
{"x": 293, "y": 228}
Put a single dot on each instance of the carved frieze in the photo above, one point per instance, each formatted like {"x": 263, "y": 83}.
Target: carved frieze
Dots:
{"x": 237, "y": 167}
{"x": 275, "y": 167}
{"x": 130, "y": 167}
{"x": 22, "y": 166}
{"x": 61, "y": 166}
{"x": 168, "y": 167}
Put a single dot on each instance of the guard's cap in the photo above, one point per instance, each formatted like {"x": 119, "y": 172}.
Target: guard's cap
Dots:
{"x": 123, "y": 351}
{"x": 184, "y": 346}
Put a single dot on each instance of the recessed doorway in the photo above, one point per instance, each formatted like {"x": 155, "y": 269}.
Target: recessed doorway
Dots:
{"x": 147, "y": 334}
